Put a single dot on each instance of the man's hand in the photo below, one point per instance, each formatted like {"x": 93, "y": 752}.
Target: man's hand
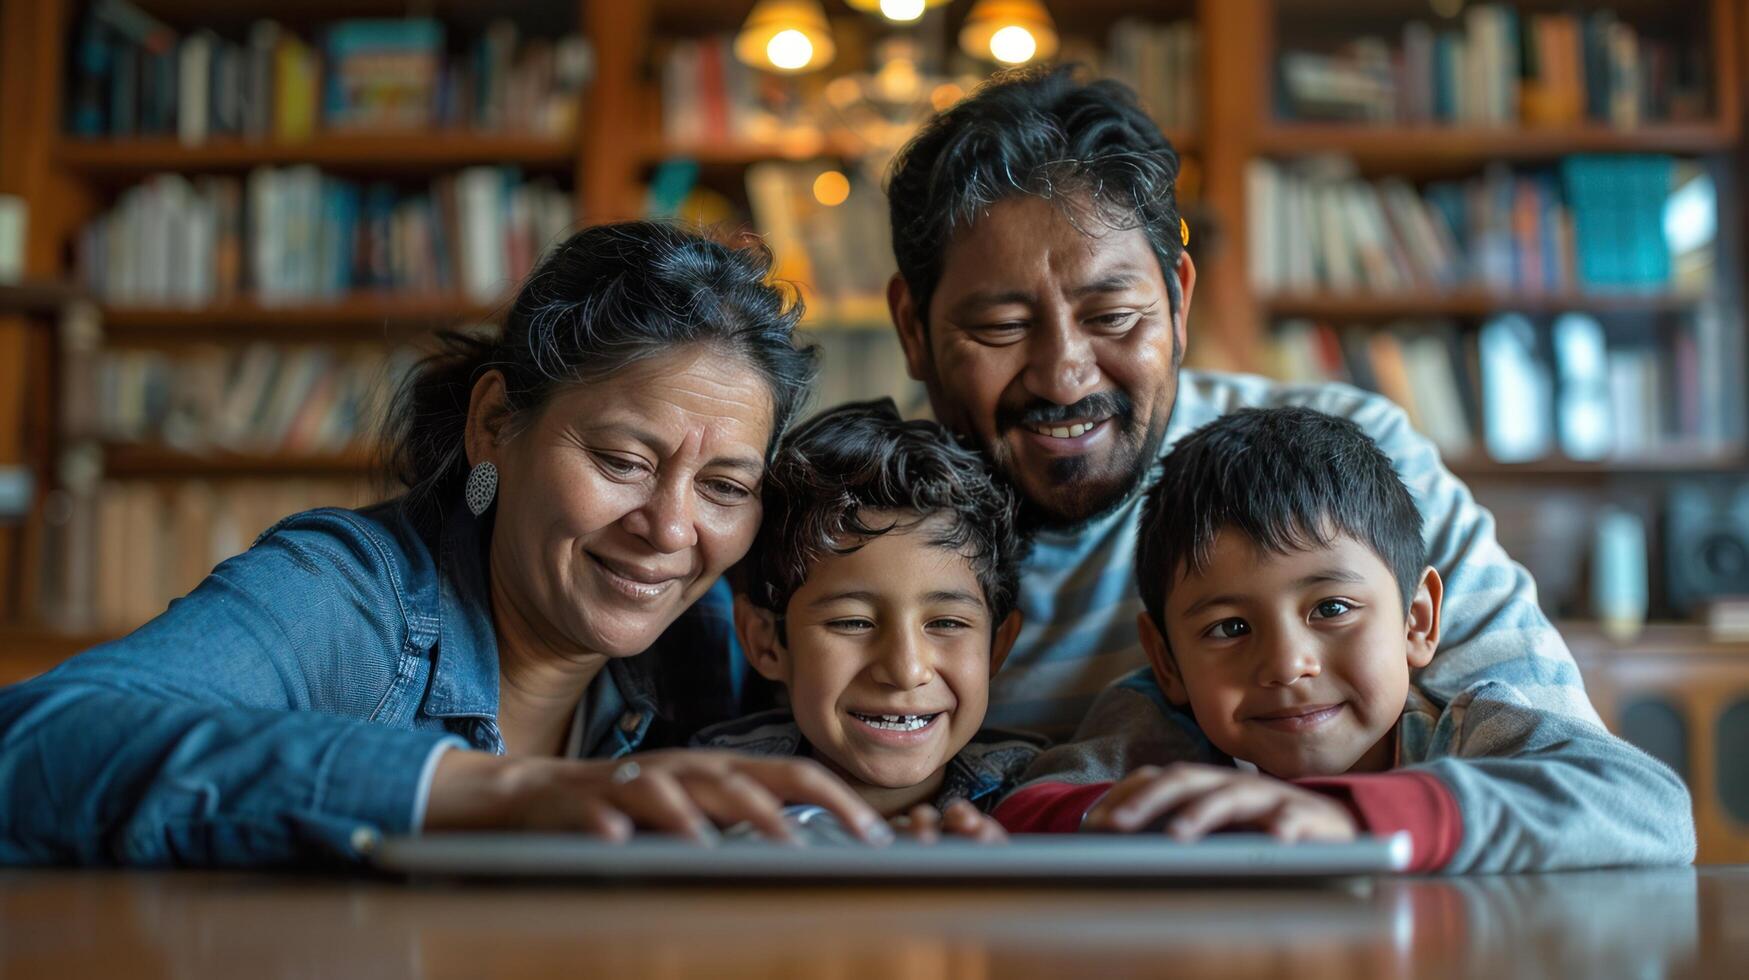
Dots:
{"x": 926, "y": 825}
{"x": 1201, "y": 799}
{"x": 688, "y": 792}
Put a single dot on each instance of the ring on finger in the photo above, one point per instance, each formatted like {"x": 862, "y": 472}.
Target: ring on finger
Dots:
{"x": 625, "y": 773}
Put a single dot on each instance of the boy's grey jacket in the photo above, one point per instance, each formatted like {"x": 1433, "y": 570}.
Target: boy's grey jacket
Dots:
{"x": 1538, "y": 790}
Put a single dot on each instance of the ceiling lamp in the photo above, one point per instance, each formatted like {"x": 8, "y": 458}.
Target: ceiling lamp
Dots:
{"x": 1012, "y": 32}
{"x": 785, "y": 35}
{"x": 897, "y": 11}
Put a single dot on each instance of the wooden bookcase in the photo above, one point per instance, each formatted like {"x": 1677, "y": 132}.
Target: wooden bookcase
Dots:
{"x": 68, "y": 181}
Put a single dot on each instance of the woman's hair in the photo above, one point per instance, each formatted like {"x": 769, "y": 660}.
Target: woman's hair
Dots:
{"x": 1041, "y": 132}
{"x": 861, "y": 470}
{"x": 603, "y": 299}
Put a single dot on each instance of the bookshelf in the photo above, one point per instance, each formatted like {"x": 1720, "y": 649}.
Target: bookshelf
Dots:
{"x": 400, "y": 153}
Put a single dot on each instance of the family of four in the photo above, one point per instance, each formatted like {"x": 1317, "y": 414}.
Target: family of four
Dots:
{"x": 623, "y": 592}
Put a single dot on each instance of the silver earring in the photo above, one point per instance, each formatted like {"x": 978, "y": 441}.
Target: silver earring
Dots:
{"x": 482, "y": 487}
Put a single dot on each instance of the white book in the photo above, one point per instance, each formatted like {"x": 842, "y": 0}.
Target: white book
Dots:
{"x": 265, "y": 237}
{"x": 1263, "y": 224}
{"x": 1296, "y": 353}
{"x": 1517, "y": 414}
{"x": 1300, "y": 239}
{"x": 194, "y": 88}
{"x": 1337, "y": 245}
{"x": 199, "y": 234}
{"x": 481, "y": 209}
{"x": 1427, "y": 358}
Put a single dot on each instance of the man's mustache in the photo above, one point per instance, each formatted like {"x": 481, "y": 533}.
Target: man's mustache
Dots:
{"x": 1099, "y": 405}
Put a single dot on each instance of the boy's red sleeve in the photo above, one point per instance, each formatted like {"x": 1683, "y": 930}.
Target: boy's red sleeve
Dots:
{"x": 1048, "y": 808}
{"x": 1386, "y": 802}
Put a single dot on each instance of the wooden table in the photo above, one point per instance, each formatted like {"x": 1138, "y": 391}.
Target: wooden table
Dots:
{"x": 1643, "y": 923}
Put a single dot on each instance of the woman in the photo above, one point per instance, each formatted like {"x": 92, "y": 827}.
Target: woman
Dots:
{"x": 445, "y": 660}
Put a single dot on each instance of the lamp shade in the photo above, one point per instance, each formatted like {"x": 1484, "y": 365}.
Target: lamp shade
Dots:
{"x": 1012, "y": 32}
{"x": 898, "y": 11}
{"x": 785, "y": 35}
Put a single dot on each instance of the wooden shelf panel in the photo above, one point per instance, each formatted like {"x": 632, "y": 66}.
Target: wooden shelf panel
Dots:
{"x": 737, "y": 153}
{"x": 1420, "y": 148}
{"x": 413, "y": 152}
{"x": 358, "y": 312}
{"x": 36, "y": 297}
{"x": 1588, "y": 641}
{"x": 26, "y": 651}
{"x": 1467, "y": 303}
{"x": 140, "y": 461}
{"x": 740, "y": 153}
{"x": 1673, "y": 462}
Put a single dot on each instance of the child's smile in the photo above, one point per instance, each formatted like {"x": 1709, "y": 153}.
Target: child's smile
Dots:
{"x": 887, "y": 656}
{"x": 1297, "y": 663}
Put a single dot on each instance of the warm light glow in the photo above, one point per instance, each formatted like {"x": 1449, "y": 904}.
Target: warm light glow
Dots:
{"x": 831, "y": 188}
{"x": 945, "y": 95}
{"x": 902, "y": 11}
{"x": 1010, "y": 32}
{"x": 790, "y": 50}
{"x": 1013, "y": 45}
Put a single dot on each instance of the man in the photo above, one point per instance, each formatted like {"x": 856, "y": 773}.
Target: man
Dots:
{"x": 1042, "y": 296}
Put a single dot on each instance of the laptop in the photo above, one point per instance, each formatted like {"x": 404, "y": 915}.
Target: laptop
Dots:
{"x": 1093, "y": 859}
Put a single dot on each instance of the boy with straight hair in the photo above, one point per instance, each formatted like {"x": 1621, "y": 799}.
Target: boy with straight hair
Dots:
{"x": 880, "y": 594}
{"x": 1288, "y": 604}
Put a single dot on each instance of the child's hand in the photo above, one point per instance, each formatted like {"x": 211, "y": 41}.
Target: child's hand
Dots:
{"x": 1201, "y": 799}
{"x": 926, "y": 825}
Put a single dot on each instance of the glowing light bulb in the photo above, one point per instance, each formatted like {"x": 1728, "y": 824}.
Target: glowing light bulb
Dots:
{"x": 790, "y": 50}
{"x": 902, "y": 11}
{"x": 1013, "y": 45}
{"x": 831, "y": 188}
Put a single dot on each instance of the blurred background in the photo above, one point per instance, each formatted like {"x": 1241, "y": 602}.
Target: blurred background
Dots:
{"x": 228, "y": 226}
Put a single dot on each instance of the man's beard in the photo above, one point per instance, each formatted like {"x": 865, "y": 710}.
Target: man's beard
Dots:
{"x": 1082, "y": 496}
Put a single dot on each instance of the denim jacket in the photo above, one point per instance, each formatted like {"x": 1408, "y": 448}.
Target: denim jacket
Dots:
{"x": 293, "y": 706}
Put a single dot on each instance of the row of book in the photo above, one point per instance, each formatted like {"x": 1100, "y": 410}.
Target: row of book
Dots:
{"x": 126, "y": 548}
{"x": 841, "y": 254}
{"x": 710, "y": 96}
{"x": 1162, "y": 63}
{"x": 253, "y": 398}
{"x": 1595, "y": 222}
{"x": 294, "y": 234}
{"x": 135, "y": 76}
{"x": 1524, "y": 390}
{"x": 1501, "y": 68}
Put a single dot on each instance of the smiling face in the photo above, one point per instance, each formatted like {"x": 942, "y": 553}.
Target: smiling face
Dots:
{"x": 623, "y": 500}
{"x": 1055, "y": 347}
{"x": 887, "y": 653}
{"x": 1297, "y": 663}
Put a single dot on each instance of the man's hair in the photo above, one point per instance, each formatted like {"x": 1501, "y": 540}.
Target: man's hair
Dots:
{"x": 1289, "y": 479}
{"x": 836, "y": 470}
{"x": 1041, "y": 132}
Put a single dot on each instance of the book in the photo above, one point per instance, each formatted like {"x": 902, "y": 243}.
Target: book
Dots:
{"x": 296, "y": 235}
{"x": 1493, "y": 67}
{"x": 132, "y": 75}
{"x": 1591, "y": 223}
{"x": 381, "y": 74}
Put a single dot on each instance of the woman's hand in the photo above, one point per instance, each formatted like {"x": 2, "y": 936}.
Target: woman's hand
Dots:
{"x": 926, "y": 824}
{"x": 1202, "y": 799}
{"x": 688, "y": 792}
